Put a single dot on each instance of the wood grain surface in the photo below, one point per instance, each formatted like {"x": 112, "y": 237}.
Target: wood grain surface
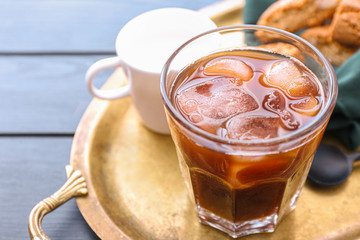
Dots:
{"x": 44, "y": 93}
{"x": 72, "y": 26}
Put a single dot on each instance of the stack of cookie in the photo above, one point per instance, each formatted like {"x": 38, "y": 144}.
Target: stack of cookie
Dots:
{"x": 333, "y": 26}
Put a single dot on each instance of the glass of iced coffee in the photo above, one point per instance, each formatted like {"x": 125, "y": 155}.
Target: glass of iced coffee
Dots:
{"x": 246, "y": 114}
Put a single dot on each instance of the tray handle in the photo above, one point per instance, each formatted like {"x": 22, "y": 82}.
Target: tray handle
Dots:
{"x": 74, "y": 186}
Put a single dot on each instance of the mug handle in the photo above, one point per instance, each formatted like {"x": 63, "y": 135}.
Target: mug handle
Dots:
{"x": 103, "y": 64}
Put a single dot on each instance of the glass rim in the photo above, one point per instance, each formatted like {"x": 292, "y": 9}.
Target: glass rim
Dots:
{"x": 320, "y": 118}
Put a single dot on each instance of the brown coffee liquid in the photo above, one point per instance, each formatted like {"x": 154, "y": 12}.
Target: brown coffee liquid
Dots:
{"x": 246, "y": 95}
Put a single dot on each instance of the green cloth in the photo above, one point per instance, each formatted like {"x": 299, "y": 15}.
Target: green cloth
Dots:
{"x": 345, "y": 120}
{"x": 254, "y": 8}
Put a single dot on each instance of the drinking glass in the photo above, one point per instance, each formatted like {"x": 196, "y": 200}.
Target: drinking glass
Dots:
{"x": 245, "y": 186}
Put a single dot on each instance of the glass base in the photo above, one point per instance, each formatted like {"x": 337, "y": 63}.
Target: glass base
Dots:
{"x": 262, "y": 225}
{"x": 266, "y": 224}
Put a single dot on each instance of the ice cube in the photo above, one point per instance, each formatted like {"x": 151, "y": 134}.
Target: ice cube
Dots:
{"x": 231, "y": 67}
{"x": 189, "y": 106}
{"x": 282, "y": 73}
{"x": 228, "y": 101}
{"x": 196, "y": 117}
{"x": 302, "y": 86}
{"x": 216, "y": 99}
{"x": 309, "y": 106}
{"x": 275, "y": 102}
{"x": 253, "y": 127}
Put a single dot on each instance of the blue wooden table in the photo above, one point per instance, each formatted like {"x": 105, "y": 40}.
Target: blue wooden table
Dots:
{"x": 45, "y": 49}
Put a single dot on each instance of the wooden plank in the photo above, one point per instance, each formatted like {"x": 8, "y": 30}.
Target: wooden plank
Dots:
{"x": 44, "y": 94}
{"x": 29, "y": 177}
{"x": 68, "y": 26}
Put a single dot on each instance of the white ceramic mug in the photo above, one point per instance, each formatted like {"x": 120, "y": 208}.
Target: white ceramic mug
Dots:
{"x": 143, "y": 45}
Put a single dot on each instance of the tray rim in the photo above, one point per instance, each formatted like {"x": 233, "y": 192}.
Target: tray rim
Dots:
{"x": 79, "y": 160}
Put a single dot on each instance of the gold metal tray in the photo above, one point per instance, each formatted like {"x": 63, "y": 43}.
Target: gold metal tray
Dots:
{"x": 128, "y": 186}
